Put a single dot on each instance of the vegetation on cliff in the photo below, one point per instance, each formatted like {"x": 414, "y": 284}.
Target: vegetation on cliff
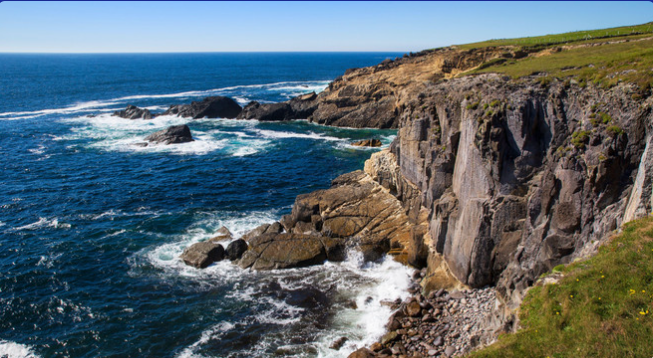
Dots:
{"x": 600, "y": 307}
{"x": 603, "y": 57}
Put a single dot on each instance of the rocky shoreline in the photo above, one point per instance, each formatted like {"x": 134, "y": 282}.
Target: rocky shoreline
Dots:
{"x": 490, "y": 183}
{"x": 441, "y": 324}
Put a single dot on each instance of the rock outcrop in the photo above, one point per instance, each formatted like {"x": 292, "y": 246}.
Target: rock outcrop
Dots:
{"x": 209, "y": 107}
{"x": 202, "y": 254}
{"x": 499, "y": 180}
{"x": 171, "y": 135}
{"x": 133, "y": 112}
{"x": 300, "y": 107}
{"x": 367, "y": 143}
{"x": 355, "y": 213}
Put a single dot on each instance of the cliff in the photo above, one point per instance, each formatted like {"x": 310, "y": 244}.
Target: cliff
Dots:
{"x": 502, "y": 177}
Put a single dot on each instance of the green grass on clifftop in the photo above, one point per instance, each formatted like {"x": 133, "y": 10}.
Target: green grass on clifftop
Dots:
{"x": 565, "y": 38}
{"x": 602, "y": 307}
{"x": 602, "y": 57}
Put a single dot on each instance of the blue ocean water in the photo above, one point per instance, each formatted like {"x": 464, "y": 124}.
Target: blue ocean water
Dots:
{"x": 91, "y": 226}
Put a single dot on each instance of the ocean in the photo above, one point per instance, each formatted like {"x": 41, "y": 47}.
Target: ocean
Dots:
{"x": 91, "y": 226}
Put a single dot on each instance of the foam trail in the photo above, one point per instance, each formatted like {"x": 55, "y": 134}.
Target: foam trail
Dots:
{"x": 298, "y": 87}
{"x": 15, "y": 350}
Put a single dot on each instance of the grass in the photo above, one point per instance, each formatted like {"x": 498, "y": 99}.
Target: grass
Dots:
{"x": 580, "y": 138}
{"x": 566, "y": 38}
{"x": 602, "y": 307}
{"x": 626, "y": 57}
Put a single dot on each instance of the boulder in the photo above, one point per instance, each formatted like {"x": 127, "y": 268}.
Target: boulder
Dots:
{"x": 362, "y": 353}
{"x": 133, "y": 112}
{"x": 367, "y": 143}
{"x": 223, "y": 234}
{"x": 276, "y": 251}
{"x": 266, "y": 111}
{"x": 236, "y": 249}
{"x": 210, "y": 107}
{"x": 274, "y": 228}
{"x": 300, "y": 107}
{"x": 303, "y": 106}
{"x": 202, "y": 254}
{"x": 171, "y": 135}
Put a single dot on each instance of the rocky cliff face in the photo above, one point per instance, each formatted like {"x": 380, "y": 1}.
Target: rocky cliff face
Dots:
{"x": 376, "y": 96}
{"x": 501, "y": 179}
{"x": 517, "y": 177}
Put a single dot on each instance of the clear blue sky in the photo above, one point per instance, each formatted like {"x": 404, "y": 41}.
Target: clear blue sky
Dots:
{"x": 293, "y": 26}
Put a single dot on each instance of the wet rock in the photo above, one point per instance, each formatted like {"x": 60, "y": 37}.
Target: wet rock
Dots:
{"x": 210, "y": 107}
{"x": 133, "y": 112}
{"x": 367, "y": 143}
{"x": 171, "y": 135}
{"x": 413, "y": 309}
{"x": 266, "y": 111}
{"x": 273, "y": 228}
{"x": 236, "y": 249}
{"x": 276, "y": 251}
{"x": 362, "y": 353}
{"x": 376, "y": 346}
{"x": 338, "y": 343}
{"x": 388, "y": 337}
{"x": 223, "y": 234}
{"x": 202, "y": 254}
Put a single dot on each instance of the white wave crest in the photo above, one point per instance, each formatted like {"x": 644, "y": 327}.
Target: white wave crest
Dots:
{"x": 15, "y": 350}
{"x": 41, "y": 223}
{"x": 282, "y": 134}
{"x": 100, "y": 105}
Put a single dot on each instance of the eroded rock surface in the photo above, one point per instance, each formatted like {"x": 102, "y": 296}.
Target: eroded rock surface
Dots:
{"x": 133, "y": 112}
{"x": 209, "y": 107}
{"x": 202, "y": 254}
{"x": 171, "y": 135}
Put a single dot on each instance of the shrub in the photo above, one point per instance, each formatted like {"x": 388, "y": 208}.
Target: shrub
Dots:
{"x": 614, "y": 131}
{"x": 473, "y": 106}
{"x": 580, "y": 138}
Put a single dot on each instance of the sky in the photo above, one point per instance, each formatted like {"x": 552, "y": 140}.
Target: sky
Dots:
{"x": 100, "y": 27}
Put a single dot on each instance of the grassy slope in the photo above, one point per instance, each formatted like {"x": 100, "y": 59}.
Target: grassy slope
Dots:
{"x": 566, "y": 38}
{"x": 602, "y": 307}
{"x": 604, "y": 57}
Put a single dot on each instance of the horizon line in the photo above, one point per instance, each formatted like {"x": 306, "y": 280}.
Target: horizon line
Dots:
{"x": 195, "y": 52}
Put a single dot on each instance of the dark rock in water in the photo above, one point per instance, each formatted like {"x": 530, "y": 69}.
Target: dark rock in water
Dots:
{"x": 141, "y": 144}
{"x": 367, "y": 143}
{"x": 303, "y": 106}
{"x": 171, "y": 135}
{"x": 300, "y": 107}
{"x": 202, "y": 254}
{"x": 266, "y": 111}
{"x": 133, "y": 112}
{"x": 338, "y": 343}
{"x": 236, "y": 249}
{"x": 222, "y": 235}
{"x": 210, "y": 107}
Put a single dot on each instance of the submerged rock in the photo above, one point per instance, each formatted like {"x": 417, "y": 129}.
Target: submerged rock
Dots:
{"x": 367, "y": 143}
{"x": 133, "y": 112}
{"x": 210, "y": 107}
{"x": 202, "y": 254}
{"x": 171, "y": 135}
